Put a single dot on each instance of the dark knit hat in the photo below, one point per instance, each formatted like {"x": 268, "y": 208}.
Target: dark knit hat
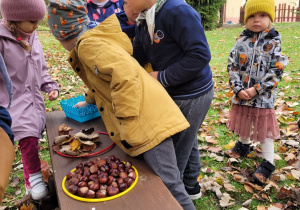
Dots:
{"x": 23, "y": 10}
{"x": 66, "y": 18}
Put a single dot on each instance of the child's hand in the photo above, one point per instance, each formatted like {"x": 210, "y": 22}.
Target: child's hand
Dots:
{"x": 294, "y": 128}
{"x": 53, "y": 95}
{"x": 251, "y": 92}
{"x": 81, "y": 104}
{"x": 154, "y": 74}
{"x": 243, "y": 95}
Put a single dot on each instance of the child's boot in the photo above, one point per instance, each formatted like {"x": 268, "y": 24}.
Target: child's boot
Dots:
{"x": 38, "y": 188}
{"x": 239, "y": 150}
{"x": 7, "y": 157}
{"x": 263, "y": 172}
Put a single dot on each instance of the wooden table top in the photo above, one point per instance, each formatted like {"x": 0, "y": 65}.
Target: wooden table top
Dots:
{"x": 148, "y": 193}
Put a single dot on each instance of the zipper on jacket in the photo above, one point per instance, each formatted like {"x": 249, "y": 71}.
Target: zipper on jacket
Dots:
{"x": 254, "y": 50}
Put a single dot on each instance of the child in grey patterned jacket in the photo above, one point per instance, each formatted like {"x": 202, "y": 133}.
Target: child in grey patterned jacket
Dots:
{"x": 255, "y": 66}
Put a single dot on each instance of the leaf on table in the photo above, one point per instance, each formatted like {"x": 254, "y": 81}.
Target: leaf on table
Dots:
{"x": 56, "y": 147}
{"x": 89, "y": 143}
{"x": 214, "y": 149}
{"x": 75, "y": 144}
{"x": 60, "y": 139}
{"x": 66, "y": 149}
{"x": 64, "y": 129}
{"x": 15, "y": 182}
{"x": 225, "y": 200}
{"x": 88, "y": 148}
{"x": 83, "y": 154}
{"x": 84, "y": 136}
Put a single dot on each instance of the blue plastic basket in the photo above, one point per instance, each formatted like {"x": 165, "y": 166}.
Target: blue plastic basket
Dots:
{"x": 82, "y": 114}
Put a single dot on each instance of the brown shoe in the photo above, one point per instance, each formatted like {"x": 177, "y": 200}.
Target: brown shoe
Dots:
{"x": 239, "y": 150}
{"x": 263, "y": 172}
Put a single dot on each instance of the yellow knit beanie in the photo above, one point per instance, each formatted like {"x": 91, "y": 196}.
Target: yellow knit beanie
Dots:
{"x": 255, "y": 6}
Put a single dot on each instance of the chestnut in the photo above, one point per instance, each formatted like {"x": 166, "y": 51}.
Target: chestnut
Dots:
{"x": 86, "y": 168}
{"x": 84, "y": 178}
{"x": 82, "y": 184}
{"x": 122, "y": 174}
{"x": 78, "y": 176}
{"x": 79, "y": 171}
{"x": 70, "y": 174}
{"x": 101, "y": 162}
{"x": 128, "y": 164}
{"x": 105, "y": 168}
{"x": 111, "y": 157}
{"x": 90, "y": 183}
{"x": 90, "y": 194}
{"x": 128, "y": 181}
{"x": 94, "y": 186}
{"x": 120, "y": 180}
{"x": 114, "y": 172}
{"x": 101, "y": 194}
{"x": 128, "y": 170}
{"x": 89, "y": 163}
{"x": 110, "y": 180}
{"x": 87, "y": 173}
{"x": 96, "y": 160}
{"x": 113, "y": 164}
{"x": 73, "y": 181}
{"x": 82, "y": 191}
{"x": 79, "y": 165}
{"x": 102, "y": 178}
{"x": 103, "y": 187}
{"x": 114, "y": 184}
{"x": 132, "y": 174}
{"x": 117, "y": 160}
{"x": 93, "y": 177}
{"x": 73, "y": 189}
{"x": 121, "y": 164}
{"x": 122, "y": 186}
{"x": 94, "y": 169}
{"x": 112, "y": 190}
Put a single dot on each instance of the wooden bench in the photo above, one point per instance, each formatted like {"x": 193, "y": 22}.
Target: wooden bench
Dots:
{"x": 149, "y": 192}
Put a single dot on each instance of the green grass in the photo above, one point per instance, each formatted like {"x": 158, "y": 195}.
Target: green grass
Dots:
{"x": 220, "y": 41}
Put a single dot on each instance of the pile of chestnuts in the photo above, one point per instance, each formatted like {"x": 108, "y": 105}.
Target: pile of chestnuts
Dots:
{"x": 101, "y": 178}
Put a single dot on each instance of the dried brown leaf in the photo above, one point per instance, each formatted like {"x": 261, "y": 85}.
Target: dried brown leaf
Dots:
{"x": 214, "y": 149}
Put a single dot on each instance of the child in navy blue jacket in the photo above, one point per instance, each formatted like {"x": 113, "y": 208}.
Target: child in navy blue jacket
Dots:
{"x": 7, "y": 152}
{"x": 99, "y": 10}
{"x": 127, "y": 19}
{"x": 170, "y": 36}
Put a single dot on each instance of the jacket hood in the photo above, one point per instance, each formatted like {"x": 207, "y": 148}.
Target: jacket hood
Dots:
{"x": 271, "y": 33}
{"x": 106, "y": 30}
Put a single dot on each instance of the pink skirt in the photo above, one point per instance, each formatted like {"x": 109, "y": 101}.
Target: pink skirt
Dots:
{"x": 254, "y": 123}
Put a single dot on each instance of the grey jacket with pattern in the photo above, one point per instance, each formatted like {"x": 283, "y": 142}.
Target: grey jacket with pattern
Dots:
{"x": 256, "y": 61}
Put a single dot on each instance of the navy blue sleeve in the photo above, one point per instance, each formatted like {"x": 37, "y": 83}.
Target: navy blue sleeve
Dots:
{"x": 184, "y": 25}
{"x": 138, "y": 51}
{"x": 5, "y": 122}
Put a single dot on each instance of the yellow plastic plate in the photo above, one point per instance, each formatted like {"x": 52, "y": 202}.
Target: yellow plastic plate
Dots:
{"x": 98, "y": 199}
